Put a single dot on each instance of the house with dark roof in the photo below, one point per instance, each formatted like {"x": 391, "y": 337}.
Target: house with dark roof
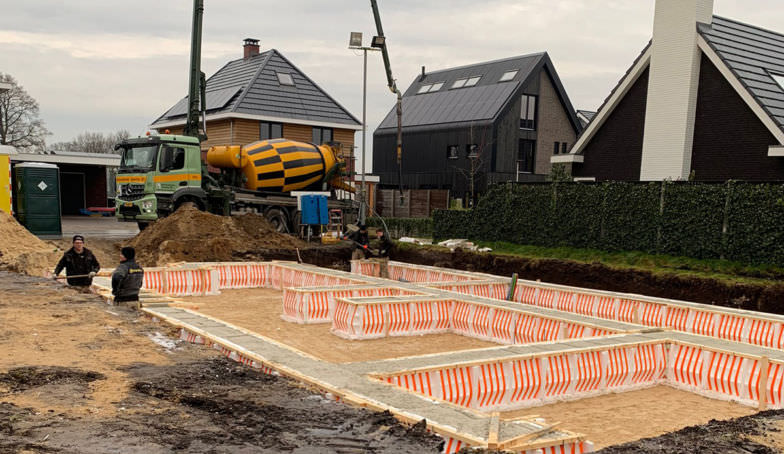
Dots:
{"x": 704, "y": 100}
{"x": 478, "y": 124}
{"x": 264, "y": 96}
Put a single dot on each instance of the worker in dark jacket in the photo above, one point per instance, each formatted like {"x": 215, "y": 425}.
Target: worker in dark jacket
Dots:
{"x": 384, "y": 246}
{"x": 127, "y": 279}
{"x": 78, "y": 261}
{"x": 361, "y": 242}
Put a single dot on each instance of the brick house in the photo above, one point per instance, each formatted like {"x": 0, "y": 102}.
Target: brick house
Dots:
{"x": 704, "y": 100}
{"x": 264, "y": 96}
{"x": 490, "y": 122}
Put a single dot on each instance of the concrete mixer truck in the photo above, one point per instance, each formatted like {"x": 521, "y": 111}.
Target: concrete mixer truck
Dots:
{"x": 159, "y": 173}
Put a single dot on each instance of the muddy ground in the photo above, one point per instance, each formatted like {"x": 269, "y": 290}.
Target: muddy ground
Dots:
{"x": 757, "y": 434}
{"x": 597, "y": 276}
{"x": 77, "y": 376}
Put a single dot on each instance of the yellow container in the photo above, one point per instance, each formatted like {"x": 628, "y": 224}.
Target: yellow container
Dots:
{"x": 6, "y": 191}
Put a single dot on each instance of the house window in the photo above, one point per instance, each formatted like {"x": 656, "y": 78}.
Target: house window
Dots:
{"x": 452, "y": 152}
{"x": 528, "y": 112}
{"x": 322, "y": 135}
{"x": 564, "y": 148}
{"x": 525, "y": 156}
{"x": 466, "y": 82}
{"x": 285, "y": 79}
{"x": 472, "y": 150}
{"x": 508, "y": 75}
{"x": 779, "y": 78}
{"x": 430, "y": 88}
{"x": 270, "y": 130}
{"x": 472, "y": 81}
{"x": 556, "y": 147}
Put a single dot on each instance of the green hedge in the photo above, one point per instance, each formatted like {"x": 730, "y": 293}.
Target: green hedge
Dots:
{"x": 733, "y": 220}
{"x": 400, "y": 227}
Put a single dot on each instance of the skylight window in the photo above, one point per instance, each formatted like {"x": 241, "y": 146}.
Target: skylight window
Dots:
{"x": 779, "y": 78}
{"x": 285, "y": 79}
{"x": 507, "y": 76}
{"x": 459, "y": 83}
{"x": 430, "y": 88}
{"x": 472, "y": 81}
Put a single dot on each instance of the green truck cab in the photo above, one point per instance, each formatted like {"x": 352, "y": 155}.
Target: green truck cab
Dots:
{"x": 157, "y": 174}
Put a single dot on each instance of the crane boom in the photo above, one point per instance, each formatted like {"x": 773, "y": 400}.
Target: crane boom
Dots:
{"x": 196, "y": 82}
{"x": 393, "y": 88}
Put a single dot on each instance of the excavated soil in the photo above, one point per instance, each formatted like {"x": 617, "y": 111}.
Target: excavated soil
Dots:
{"x": 23, "y": 252}
{"x": 759, "y": 434}
{"x": 77, "y": 376}
{"x": 196, "y": 236}
{"x": 763, "y": 298}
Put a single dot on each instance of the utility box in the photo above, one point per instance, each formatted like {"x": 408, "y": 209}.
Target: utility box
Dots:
{"x": 38, "y": 198}
{"x": 314, "y": 210}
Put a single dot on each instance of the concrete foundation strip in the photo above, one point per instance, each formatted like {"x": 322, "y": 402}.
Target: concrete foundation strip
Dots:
{"x": 712, "y": 363}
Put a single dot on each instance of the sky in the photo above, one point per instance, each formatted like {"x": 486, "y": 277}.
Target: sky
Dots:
{"x": 105, "y": 65}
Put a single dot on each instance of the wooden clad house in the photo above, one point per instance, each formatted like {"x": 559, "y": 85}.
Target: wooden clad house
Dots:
{"x": 264, "y": 96}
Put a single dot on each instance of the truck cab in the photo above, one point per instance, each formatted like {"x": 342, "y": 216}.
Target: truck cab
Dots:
{"x": 157, "y": 174}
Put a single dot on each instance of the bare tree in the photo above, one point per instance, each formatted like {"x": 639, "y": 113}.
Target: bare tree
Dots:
{"x": 478, "y": 144}
{"x": 20, "y": 125}
{"x": 93, "y": 142}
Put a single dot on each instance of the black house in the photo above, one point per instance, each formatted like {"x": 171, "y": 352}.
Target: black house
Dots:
{"x": 484, "y": 123}
{"x": 703, "y": 101}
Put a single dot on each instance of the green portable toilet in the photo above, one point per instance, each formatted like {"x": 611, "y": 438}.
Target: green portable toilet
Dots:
{"x": 38, "y": 198}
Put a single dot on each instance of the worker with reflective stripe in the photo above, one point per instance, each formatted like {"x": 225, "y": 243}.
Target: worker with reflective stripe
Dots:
{"x": 127, "y": 279}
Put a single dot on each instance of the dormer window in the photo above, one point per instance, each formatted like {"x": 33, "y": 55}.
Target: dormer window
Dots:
{"x": 508, "y": 75}
{"x": 285, "y": 79}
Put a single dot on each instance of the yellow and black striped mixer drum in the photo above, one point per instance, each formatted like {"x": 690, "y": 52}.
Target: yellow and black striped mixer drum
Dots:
{"x": 277, "y": 165}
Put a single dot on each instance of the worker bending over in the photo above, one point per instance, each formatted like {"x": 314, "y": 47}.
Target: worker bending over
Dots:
{"x": 384, "y": 246}
{"x": 361, "y": 243}
{"x": 78, "y": 261}
{"x": 127, "y": 279}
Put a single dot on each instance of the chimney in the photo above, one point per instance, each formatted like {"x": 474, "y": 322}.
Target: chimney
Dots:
{"x": 250, "y": 48}
{"x": 672, "y": 88}
{"x": 422, "y": 77}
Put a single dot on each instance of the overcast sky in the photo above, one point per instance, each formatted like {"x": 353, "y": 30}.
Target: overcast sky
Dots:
{"x": 104, "y": 65}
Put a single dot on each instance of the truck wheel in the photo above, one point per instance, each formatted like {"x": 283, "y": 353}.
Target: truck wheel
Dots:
{"x": 278, "y": 219}
{"x": 142, "y": 225}
{"x": 189, "y": 200}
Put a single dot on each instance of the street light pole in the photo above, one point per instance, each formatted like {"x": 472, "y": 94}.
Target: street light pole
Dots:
{"x": 355, "y": 42}
{"x": 363, "y": 207}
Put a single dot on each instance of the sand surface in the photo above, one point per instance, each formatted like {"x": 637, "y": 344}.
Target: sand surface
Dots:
{"x": 259, "y": 310}
{"x": 619, "y": 418}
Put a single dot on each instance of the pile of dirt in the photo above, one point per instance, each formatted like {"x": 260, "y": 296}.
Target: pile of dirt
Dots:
{"x": 195, "y": 236}
{"x": 23, "y": 252}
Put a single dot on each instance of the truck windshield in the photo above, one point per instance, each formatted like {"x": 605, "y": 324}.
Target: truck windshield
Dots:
{"x": 139, "y": 159}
